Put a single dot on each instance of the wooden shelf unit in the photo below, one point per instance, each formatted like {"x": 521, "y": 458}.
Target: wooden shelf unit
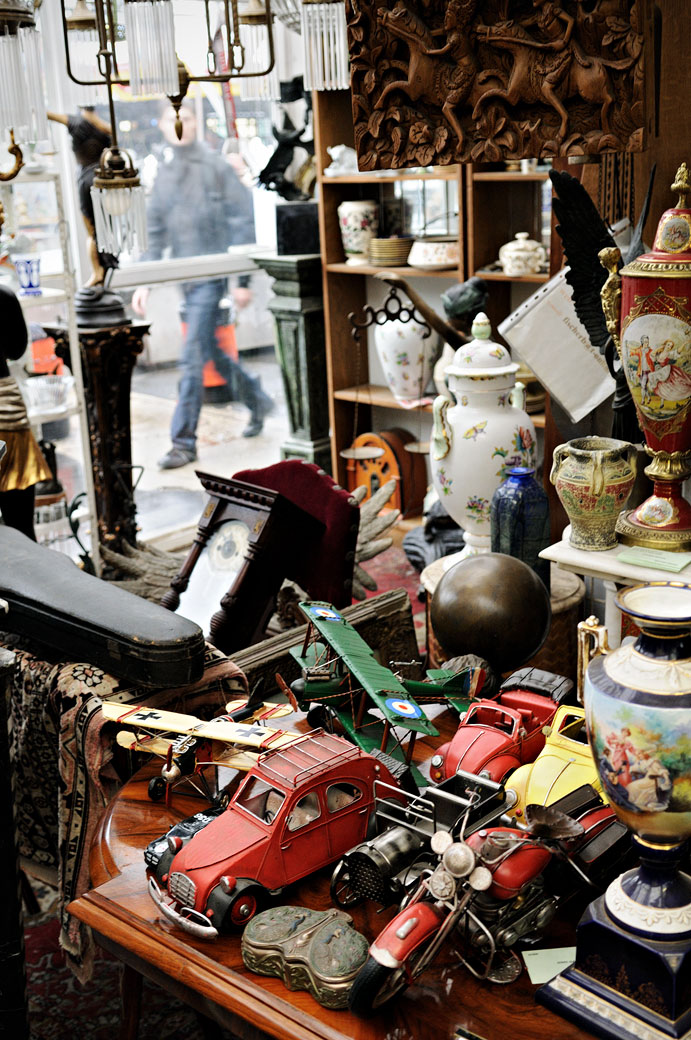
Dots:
{"x": 403, "y": 269}
{"x": 424, "y": 173}
{"x": 493, "y": 205}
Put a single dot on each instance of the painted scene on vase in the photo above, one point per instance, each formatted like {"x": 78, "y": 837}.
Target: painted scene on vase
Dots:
{"x": 643, "y": 755}
{"x": 657, "y": 353}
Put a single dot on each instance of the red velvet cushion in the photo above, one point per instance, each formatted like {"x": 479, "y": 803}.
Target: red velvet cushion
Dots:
{"x": 328, "y": 571}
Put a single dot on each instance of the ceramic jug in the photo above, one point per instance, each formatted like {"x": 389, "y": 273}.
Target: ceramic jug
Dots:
{"x": 593, "y": 477}
{"x": 522, "y": 256}
{"x": 477, "y": 439}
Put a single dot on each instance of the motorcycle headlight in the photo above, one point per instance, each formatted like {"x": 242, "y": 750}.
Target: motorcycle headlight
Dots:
{"x": 459, "y": 859}
{"x": 441, "y": 884}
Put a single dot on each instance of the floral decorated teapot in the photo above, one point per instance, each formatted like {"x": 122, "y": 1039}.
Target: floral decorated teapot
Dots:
{"x": 480, "y": 437}
{"x": 522, "y": 256}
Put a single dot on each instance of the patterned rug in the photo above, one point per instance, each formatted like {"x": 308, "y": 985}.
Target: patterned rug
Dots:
{"x": 392, "y": 570}
{"x": 60, "y": 1008}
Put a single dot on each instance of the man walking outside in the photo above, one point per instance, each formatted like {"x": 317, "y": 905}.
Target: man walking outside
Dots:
{"x": 199, "y": 206}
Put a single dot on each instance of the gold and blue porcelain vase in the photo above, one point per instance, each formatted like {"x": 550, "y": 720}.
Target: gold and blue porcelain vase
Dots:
{"x": 519, "y": 520}
{"x": 479, "y": 436}
{"x": 632, "y": 975}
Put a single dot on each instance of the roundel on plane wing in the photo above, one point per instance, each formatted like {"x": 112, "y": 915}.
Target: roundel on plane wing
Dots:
{"x": 406, "y": 709}
{"x": 325, "y": 613}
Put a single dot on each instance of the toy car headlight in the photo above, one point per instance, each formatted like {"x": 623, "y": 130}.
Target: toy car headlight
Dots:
{"x": 485, "y": 774}
{"x": 437, "y": 761}
{"x": 175, "y": 843}
{"x": 227, "y": 883}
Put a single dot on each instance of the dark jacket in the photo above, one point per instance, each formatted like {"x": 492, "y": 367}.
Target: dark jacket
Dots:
{"x": 197, "y": 205}
{"x": 14, "y": 330}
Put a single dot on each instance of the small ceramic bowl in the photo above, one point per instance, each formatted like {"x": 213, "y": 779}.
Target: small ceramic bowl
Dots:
{"x": 434, "y": 253}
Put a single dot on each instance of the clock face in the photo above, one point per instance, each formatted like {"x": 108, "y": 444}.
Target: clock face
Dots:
{"x": 214, "y": 573}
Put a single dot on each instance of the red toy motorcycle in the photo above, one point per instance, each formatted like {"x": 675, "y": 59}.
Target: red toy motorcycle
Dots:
{"x": 487, "y": 892}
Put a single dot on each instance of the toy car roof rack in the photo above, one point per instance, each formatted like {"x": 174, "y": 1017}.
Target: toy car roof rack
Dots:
{"x": 316, "y": 752}
{"x": 442, "y": 806}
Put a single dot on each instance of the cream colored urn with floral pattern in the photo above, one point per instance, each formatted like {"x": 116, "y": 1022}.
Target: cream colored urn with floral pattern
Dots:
{"x": 480, "y": 436}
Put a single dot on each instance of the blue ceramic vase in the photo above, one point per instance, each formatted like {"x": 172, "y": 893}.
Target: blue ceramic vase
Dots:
{"x": 519, "y": 519}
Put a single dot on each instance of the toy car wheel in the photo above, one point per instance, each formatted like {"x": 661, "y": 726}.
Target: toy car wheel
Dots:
{"x": 157, "y": 788}
{"x": 243, "y": 908}
{"x": 341, "y": 890}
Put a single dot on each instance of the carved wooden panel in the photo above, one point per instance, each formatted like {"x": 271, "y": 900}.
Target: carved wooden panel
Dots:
{"x": 445, "y": 81}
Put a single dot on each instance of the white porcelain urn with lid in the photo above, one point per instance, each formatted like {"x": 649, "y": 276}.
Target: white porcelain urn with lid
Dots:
{"x": 522, "y": 256}
{"x": 477, "y": 439}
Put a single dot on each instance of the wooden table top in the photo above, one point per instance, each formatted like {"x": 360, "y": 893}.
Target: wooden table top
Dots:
{"x": 211, "y": 975}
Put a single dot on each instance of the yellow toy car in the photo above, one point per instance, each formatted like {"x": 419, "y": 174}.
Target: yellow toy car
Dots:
{"x": 564, "y": 764}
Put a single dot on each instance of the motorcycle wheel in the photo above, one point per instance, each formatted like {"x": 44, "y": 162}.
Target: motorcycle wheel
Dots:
{"x": 375, "y": 984}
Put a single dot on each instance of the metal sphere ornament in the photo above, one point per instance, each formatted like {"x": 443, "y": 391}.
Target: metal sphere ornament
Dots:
{"x": 492, "y": 605}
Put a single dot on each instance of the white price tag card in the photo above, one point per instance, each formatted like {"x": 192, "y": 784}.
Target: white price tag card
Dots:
{"x": 543, "y": 965}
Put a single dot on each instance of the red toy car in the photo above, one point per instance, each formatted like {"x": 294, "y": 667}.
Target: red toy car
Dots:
{"x": 495, "y": 737}
{"x": 300, "y": 808}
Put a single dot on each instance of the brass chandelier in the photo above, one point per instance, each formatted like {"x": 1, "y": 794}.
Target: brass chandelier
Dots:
{"x": 99, "y": 46}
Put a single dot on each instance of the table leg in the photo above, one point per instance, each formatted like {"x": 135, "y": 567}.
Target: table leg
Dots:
{"x": 131, "y": 1002}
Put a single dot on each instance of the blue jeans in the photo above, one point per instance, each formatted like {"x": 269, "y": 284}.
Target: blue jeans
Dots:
{"x": 202, "y": 301}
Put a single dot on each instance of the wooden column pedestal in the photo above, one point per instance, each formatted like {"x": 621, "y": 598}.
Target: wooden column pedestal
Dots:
{"x": 108, "y": 357}
{"x": 298, "y": 311}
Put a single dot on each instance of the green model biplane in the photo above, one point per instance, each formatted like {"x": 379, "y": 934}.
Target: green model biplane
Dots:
{"x": 341, "y": 675}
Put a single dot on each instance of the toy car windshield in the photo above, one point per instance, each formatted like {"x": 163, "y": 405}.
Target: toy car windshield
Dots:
{"x": 574, "y": 729}
{"x": 490, "y": 715}
{"x": 260, "y": 799}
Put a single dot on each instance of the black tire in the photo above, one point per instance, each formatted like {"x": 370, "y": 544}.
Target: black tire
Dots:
{"x": 374, "y": 986}
{"x": 244, "y": 906}
{"x": 321, "y": 717}
{"x": 341, "y": 891}
{"x": 399, "y": 771}
{"x": 157, "y": 788}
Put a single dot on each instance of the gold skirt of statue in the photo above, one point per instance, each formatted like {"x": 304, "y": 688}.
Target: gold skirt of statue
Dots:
{"x": 23, "y": 464}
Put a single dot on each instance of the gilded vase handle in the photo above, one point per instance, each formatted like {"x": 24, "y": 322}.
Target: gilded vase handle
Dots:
{"x": 558, "y": 456}
{"x": 592, "y": 641}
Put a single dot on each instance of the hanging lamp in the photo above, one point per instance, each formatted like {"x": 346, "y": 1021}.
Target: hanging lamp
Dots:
{"x": 150, "y": 35}
{"x": 257, "y": 85}
{"x": 83, "y": 57}
{"x": 22, "y": 105}
{"x": 325, "y": 45}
